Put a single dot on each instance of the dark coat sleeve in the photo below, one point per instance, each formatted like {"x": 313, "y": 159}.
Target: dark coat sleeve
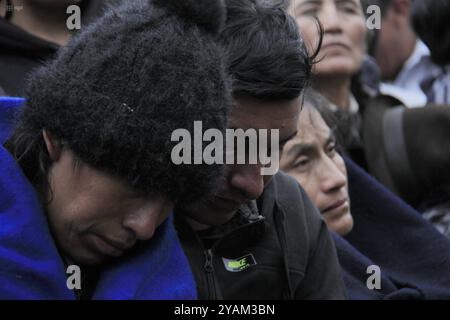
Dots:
{"x": 323, "y": 279}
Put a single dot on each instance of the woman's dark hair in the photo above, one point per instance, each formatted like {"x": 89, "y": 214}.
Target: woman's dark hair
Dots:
{"x": 268, "y": 59}
{"x": 30, "y": 152}
{"x": 323, "y": 106}
{"x": 430, "y": 19}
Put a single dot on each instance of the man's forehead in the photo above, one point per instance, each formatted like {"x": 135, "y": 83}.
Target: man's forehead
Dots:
{"x": 311, "y": 134}
{"x": 249, "y": 113}
{"x": 308, "y": 140}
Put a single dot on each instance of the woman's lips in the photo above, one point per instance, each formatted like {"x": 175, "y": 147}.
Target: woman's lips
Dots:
{"x": 334, "y": 44}
{"x": 106, "y": 247}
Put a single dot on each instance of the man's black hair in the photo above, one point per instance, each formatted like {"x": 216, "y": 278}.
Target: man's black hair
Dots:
{"x": 268, "y": 59}
{"x": 431, "y": 22}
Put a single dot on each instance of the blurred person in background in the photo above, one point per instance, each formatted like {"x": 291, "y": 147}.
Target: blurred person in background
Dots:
{"x": 404, "y": 60}
{"x": 31, "y": 31}
{"x": 431, "y": 22}
{"x": 340, "y": 60}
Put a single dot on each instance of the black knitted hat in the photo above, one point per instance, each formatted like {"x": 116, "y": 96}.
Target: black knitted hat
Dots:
{"x": 120, "y": 88}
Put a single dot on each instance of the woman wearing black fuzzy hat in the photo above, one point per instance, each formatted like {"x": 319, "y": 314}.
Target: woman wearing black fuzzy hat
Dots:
{"x": 92, "y": 149}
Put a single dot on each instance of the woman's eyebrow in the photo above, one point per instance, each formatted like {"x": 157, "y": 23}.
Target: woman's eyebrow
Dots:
{"x": 353, "y": 2}
{"x": 307, "y": 2}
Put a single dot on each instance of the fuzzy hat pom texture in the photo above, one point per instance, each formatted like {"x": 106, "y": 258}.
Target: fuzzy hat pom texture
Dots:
{"x": 206, "y": 13}
{"x": 120, "y": 88}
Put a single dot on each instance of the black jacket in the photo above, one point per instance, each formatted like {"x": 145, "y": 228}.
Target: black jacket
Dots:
{"x": 21, "y": 52}
{"x": 283, "y": 252}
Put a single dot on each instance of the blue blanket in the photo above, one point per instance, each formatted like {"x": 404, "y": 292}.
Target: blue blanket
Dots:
{"x": 32, "y": 268}
{"x": 413, "y": 257}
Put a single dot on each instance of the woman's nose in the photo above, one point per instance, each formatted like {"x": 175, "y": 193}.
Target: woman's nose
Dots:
{"x": 146, "y": 219}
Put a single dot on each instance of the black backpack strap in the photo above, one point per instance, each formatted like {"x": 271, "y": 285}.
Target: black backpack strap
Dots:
{"x": 396, "y": 154}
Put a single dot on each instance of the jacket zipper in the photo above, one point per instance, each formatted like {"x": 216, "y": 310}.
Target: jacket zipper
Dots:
{"x": 214, "y": 292}
{"x": 209, "y": 268}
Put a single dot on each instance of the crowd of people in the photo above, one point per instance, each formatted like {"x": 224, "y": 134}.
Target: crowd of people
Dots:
{"x": 87, "y": 177}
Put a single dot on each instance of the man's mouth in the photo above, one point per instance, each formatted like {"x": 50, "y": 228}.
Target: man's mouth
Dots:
{"x": 336, "y": 207}
{"x": 228, "y": 202}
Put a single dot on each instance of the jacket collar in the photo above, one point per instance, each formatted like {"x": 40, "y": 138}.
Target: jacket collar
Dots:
{"x": 266, "y": 202}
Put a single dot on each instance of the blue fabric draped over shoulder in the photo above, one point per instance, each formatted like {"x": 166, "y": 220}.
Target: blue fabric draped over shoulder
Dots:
{"x": 32, "y": 268}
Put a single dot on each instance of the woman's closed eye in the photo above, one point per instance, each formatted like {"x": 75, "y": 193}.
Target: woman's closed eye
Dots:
{"x": 308, "y": 9}
{"x": 348, "y": 7}
{"x": 313, "y": 11}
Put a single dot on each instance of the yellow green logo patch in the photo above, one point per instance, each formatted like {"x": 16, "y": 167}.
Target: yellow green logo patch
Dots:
{"x": 239, "y": 264}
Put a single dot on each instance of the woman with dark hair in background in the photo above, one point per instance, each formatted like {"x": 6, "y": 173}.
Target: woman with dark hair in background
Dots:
{"x": 340, "y": 59}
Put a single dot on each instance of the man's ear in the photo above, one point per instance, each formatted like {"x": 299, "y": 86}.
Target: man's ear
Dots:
{"x": 53, "y": 146}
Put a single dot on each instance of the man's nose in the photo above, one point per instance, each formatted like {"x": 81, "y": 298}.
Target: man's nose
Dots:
{"x": 146, "y": 219}
{"x": 247, "y": 180}
{"x": 332, "y": 179}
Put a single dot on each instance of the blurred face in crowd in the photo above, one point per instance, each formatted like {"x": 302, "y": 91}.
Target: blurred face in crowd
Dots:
{"x": 311, "y": 158}
{"x": 396, "y": 39}
{"x": 244, "y": 182}
{"x": 93, "y": 215}
{"x": 344, "y": 29}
